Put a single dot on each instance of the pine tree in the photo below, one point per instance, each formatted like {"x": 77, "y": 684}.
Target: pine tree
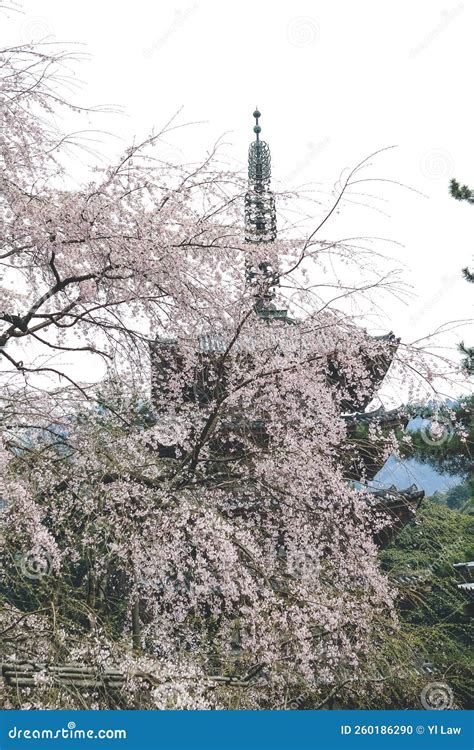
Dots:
{"x": 464, "y": 193}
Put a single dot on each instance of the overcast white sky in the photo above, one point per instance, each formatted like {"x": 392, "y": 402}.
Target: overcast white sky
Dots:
{"x": 335, "y": 81}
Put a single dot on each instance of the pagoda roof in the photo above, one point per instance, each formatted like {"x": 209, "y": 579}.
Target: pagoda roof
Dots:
{"x": 401, "y": 506}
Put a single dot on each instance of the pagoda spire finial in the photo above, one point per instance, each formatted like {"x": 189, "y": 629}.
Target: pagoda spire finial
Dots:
{"x": 260, "y": 214}
{"x": 260, "y": 225}
{"x": 257, "y": 129}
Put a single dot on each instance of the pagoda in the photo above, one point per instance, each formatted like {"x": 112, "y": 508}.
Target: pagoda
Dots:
{"x": 361, "y": 458}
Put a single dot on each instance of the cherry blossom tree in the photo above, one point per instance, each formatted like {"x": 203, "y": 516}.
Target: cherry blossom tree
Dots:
{"x": 200, "y": 535}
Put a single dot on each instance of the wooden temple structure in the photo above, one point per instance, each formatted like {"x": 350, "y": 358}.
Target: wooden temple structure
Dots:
{"x": 362, "y": 458}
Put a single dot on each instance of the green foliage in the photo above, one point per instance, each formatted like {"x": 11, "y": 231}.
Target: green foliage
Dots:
{"x": 468, "y": 275}
{"x": 457, "y": 498}
{"x": 468, "y": 361}
{"x": 435, "y": 627}
{"x": 461, "y": 192}
{"x": 439, "y": 538}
